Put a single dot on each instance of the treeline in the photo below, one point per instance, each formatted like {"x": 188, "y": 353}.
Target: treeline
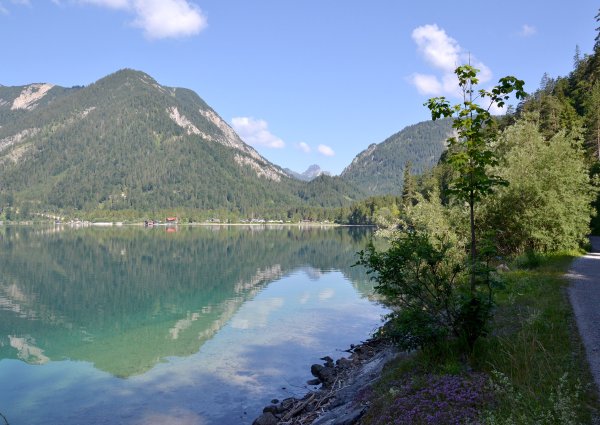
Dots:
{"x": 569, "y": 103}
{"x": 549, "y": 153}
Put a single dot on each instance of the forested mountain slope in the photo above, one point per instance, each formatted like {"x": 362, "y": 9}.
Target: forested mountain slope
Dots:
{"x": 379, "y": 168}
{"x": 126, "y": 142}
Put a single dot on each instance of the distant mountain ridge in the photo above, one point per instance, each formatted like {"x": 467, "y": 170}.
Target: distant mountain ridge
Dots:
{"x": 311, "y": 173}
{"x": 126, "y": 142}
{"x": 379, "y": 169}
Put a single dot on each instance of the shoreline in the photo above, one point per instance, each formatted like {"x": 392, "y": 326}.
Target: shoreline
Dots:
{"x": 79, "y": 224}
{"x": 337, "y": 401}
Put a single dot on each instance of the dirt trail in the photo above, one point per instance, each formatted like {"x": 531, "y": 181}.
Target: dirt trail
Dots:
{"x": 584, "y": 293}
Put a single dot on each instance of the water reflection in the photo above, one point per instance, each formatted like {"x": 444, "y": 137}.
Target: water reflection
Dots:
{"x": 126, "y": 299}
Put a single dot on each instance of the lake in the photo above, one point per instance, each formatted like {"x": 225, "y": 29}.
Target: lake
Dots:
{"x": 187, "y": 325}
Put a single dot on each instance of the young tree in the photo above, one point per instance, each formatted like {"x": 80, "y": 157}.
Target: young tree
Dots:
{"x": 423, "y": 272}
{"x": 470, "y": 153}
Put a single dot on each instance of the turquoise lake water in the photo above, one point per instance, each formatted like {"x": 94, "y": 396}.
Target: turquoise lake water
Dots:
{"x": 199, "y": 326}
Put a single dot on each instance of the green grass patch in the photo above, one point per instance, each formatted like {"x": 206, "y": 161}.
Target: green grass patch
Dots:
{"x": 535, "y": 352}
{"x": 533, "y": 360}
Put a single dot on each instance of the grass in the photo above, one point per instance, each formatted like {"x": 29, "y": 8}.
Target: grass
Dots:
{"x": 533, "y": 359}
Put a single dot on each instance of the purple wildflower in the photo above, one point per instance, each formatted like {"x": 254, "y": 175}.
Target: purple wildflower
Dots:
{"x": 433, "y": 399}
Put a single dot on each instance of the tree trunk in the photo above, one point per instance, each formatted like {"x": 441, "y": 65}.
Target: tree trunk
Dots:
{"x": 598, "y": 139}
{"x": 473, "y": 244}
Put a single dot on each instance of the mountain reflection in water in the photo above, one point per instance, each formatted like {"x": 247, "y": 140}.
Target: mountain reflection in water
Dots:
{"x": 130, "y": 300}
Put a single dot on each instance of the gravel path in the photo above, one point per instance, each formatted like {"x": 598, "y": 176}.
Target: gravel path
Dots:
{"x": 584, "y": 293}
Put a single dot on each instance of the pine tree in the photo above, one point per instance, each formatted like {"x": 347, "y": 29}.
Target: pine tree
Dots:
{"x": 577, "y": 57}
{"x": 592, "y": 121}
{"x": 597, "y": 39}
{"x": 409, "y": 186}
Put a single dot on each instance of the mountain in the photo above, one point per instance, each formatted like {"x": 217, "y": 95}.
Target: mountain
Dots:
{"x": 379, "y": 168}
{"x": 126, "y": 142}
{"x": 325, "y": 191}
{"x": 311, "y": 173}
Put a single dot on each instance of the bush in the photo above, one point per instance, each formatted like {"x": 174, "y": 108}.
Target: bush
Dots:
{"x": 547, "y": 205}
{"x": 428, "y": 288}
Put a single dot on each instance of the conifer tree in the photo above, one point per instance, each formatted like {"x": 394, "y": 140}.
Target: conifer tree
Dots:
{"x": 409, "y": 185}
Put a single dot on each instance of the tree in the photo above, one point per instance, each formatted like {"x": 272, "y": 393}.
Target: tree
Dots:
{"x": 597, "y": 38}
{"x": 409, "y": 185}
{"x": 546, "y": 84}
{"x": 25, "y": 211}
{"x": 592, "y": 120}
{"x": 577, "y": 57}
{"x": 547, "y": 205}
{"x": 470, "y": 153}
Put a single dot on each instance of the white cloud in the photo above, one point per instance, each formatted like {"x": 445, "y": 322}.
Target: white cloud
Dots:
{"x": 325, "y": 150}
{"x": 496, "y": 110}
{"x": 527, "y": 30}
{"x": 439, "y": 49}
{"x": 485, "y": 73}
{"x": 426, "y": 84}
{"x": 304, "y": 147}
{"x": 450, "y": 84}
{"x": 160, "y": 18}
{"x": 256, "y": 132}
{"x": 444, "y": 54}
{"x": 168, "y": 18}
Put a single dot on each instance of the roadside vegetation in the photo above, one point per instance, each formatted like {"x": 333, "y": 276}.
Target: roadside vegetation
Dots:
{"x": 475, "y": 264}
{"x": 530, "y": 368}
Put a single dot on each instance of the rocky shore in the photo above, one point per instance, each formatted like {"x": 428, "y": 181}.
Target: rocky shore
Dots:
{"x": 336, "y": 401}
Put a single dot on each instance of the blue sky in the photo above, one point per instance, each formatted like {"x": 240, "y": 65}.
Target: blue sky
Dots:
{"x": 303, "y": 81}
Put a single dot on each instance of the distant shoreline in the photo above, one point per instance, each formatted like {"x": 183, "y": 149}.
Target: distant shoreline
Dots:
{"x": 76, "y": 224}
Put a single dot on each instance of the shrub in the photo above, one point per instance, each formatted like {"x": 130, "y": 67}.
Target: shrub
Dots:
{"x": 429, "y": 290}
{"x": 547, "y": 205}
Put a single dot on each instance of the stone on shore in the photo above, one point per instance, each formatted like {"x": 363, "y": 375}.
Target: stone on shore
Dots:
{"x": 266, "y": 418}
{"x": 335, "y": 403}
